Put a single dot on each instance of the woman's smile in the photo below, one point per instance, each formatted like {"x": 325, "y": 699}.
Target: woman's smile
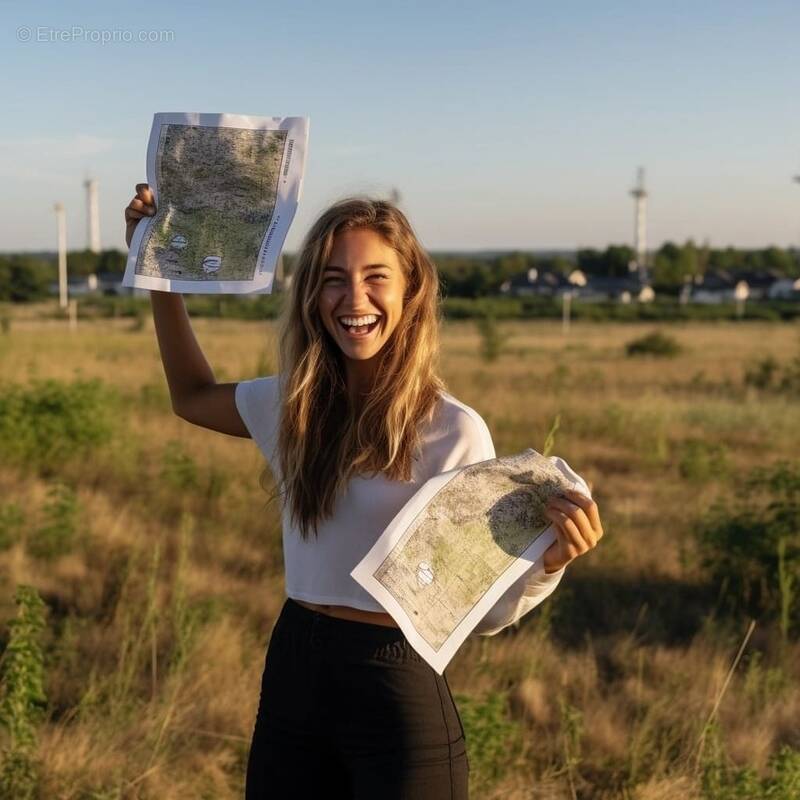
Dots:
{"x": 359, "y": 327}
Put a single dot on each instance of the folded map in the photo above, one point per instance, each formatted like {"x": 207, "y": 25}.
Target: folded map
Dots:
{"x": 456, "y": 546}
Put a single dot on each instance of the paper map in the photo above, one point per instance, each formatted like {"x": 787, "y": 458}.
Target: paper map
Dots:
{"x": 459, "y": 543}
{"x": 226, "y": 189}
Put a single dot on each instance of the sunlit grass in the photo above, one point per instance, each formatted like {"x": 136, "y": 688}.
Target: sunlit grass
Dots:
{"x": 161, "y": 604}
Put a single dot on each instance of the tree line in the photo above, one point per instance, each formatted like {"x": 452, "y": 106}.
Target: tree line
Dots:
{"x": 26, "y": 277}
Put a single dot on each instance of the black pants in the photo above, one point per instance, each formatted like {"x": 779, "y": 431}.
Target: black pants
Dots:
{"x": 350, "y": 710}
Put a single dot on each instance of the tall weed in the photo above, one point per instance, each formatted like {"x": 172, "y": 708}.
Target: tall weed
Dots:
{"x": 22, "y": 696}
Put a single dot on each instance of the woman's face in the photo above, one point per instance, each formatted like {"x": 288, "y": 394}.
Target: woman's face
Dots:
{"x": 363, "y": 282}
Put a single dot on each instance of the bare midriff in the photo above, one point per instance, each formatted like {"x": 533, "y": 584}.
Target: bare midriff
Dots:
{"x": 355, "y": 614}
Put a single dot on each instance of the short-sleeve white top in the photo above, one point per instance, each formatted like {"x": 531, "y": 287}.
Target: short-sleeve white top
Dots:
{"x": 318, "y": 569}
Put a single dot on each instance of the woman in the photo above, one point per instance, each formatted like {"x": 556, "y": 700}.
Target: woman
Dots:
{"x": 355, "y": 421}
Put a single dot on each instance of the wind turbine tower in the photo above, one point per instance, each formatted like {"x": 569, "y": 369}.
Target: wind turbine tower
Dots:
{"x": 639, "y": 193}
{"x": 92, "y": 216}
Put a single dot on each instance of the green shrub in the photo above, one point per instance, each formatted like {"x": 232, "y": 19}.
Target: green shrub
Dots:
{"x": 58, "y": 533}
{"x": 720, "y": 779}
{"x": 217, "y": 483}
{"x": 701, "y": 460}
{"x": 12, "y": 519}
{"x": 494, "y": 740}
{"x": 50, "y": 422}
{"x": 22, "y": 696}
{"x": 653, "y": 344}
{"x": 178, "y": 468}
{"x": 767, "y": 374}
{"x": 752, "y": 550}
{"x": 790, "y": 380}
{"x": 492, "y": 339}
{"x": 761, "y": 375}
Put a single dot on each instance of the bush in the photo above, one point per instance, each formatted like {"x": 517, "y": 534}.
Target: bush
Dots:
{"x": 701, "y": 460}
{"x": 767, "y": 374}
{"x": 653, "y": 344}
{"x": 492, "y": 339}
{"x": 50, "y": 422}
{"x": 493, "y": 739}
{"x": 761, "y": 375}
{"x": 12, "y": 519}
{"x": 720, "y": 779}
{"x": 57, "y": 534}
{"x": 753, "y": 550}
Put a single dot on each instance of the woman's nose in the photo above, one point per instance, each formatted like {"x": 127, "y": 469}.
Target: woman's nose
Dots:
{"x": 356, "y": 292}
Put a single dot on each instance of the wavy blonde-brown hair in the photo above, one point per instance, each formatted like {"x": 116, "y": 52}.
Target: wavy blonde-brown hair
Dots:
{"x": 324, "y": 438}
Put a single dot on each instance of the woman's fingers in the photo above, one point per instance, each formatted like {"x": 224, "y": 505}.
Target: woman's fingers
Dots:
{"x": 142, "y": 205}
{"x": 138, "y": 205}
{"x": 574, "y": 538}
{"x": 575, "y": 522}
{"x": 144, "y": 192}
{"x": 137, "y": 209}
{"x": 589, "y": 507}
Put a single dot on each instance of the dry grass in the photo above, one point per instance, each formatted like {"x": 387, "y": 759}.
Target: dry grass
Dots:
{"x": 629, "y": 644}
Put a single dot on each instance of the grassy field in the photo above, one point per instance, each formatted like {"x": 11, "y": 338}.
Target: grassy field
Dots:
{"x": 160, "y": 566}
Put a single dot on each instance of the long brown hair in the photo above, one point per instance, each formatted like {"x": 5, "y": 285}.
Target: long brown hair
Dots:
{"x": 324, "y": 439}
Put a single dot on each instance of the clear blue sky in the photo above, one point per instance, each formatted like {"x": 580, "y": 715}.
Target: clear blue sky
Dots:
{"x": 504, "y": 124}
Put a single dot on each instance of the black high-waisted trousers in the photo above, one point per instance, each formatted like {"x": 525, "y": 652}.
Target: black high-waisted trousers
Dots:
{"x": 350, "y": 710}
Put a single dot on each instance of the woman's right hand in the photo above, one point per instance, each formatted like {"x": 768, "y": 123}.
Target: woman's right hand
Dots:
{"x": 142, "y": 205}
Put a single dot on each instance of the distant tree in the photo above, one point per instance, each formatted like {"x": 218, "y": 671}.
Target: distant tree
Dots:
{"x": 510, "y": 264}
{"x": 688, "y": 262}
{"x": 613, "y": 261}
{"x": 703, "y": 256}
{"x": 562, "y": 265}
{"x": 81, "y": 262}
{"x": 590, "y": 261}
{"x": 617, "y": 257}
{"x": 727, "y": 259}
{"x": 779, "y": 259}
{"x": 462, "y": 276}
{"x": 24, "y": 277}
{"x": 112, "y": 261}
{"x": 667, "y": 267}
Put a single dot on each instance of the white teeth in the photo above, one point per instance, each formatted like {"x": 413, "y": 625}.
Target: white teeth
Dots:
{"x": 356, "y": 321}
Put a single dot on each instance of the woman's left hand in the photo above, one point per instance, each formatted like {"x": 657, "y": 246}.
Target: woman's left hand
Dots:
{"x": 577, "y": 526}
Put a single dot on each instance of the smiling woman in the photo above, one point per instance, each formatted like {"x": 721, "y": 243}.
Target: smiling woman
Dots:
{"x": 363, "y": 286}
{"x": 353, "y": 423}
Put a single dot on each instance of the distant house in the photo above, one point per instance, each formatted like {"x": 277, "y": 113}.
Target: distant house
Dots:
{"x": 591, "y": 288}
{"x": 785, "y": 289}
{"x": 723, "y": 286}
{"x": 759, "y": 283}
{"x": 716, "y": 286}
{"x": 77, "y": 287}
{"x": 547, "y": 283}
{"x": 616, "y": 289}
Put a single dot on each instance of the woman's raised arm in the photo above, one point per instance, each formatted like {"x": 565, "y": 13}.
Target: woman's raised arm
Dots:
{"x": 195, "y": 394}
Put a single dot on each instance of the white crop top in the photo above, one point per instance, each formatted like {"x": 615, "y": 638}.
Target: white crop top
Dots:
{"x": 318, "y": 570}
